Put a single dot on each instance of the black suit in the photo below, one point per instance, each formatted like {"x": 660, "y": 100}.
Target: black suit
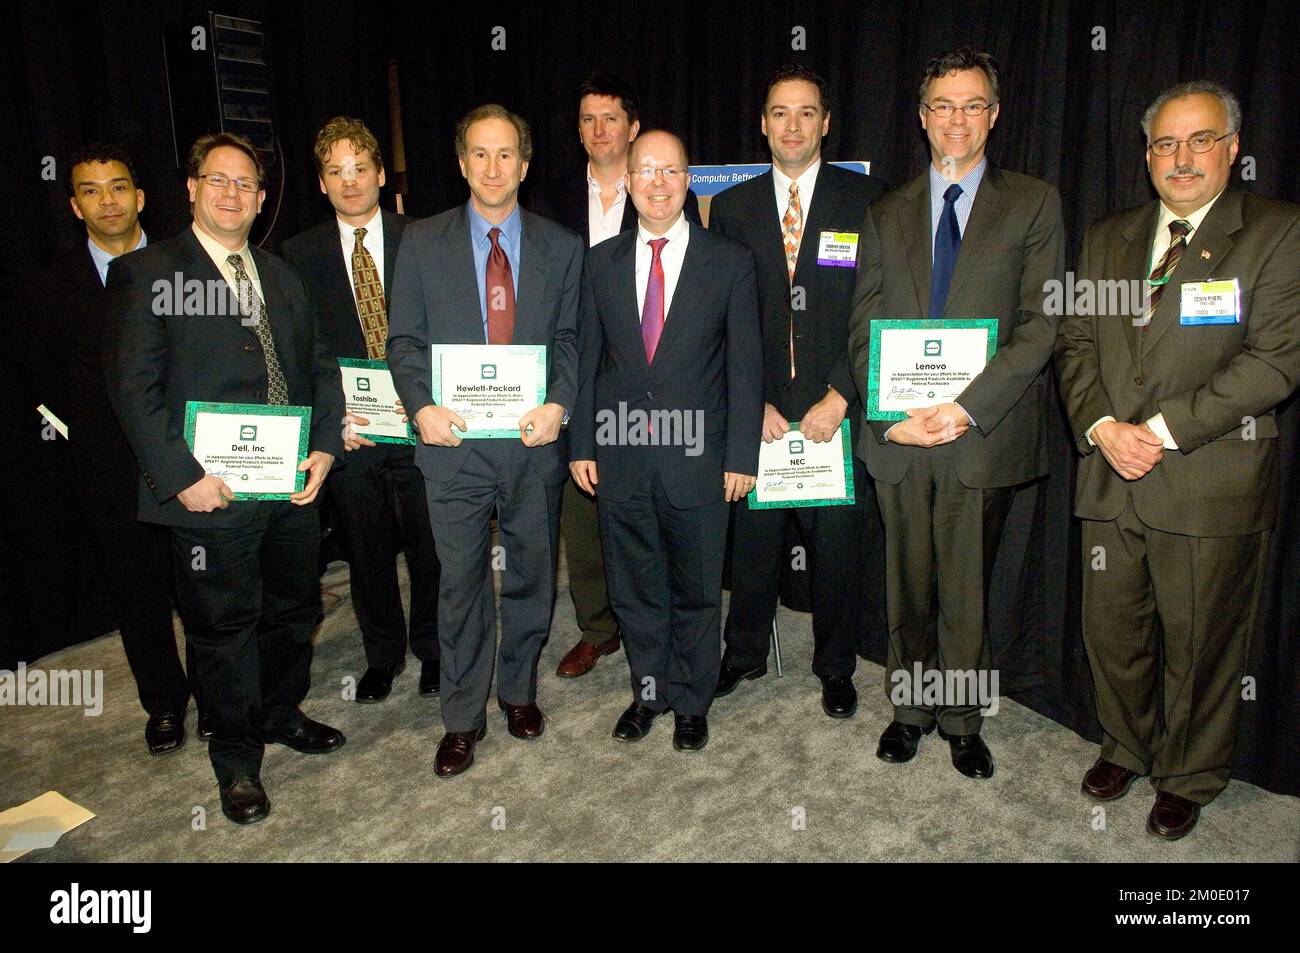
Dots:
{"x": 247, "y": 576}
{"x": 68, "y": 300}
{"x": 663, "y": 513}
{"x": 379, "y": 495}
{"x": 839, "y": 540}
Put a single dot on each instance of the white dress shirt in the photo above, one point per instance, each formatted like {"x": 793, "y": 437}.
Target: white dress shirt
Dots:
{"x": 781, "y": 187}
{"x": 600, "y": 223}
{"x": 219, "y": 253}
{"x": 374, "y": 243}
{"x": 672, "y": 256}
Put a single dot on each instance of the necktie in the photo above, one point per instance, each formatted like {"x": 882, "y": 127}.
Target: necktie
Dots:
{"x": 371, "y": 308}
{"x": 500, "y": 294}
{"x": 792, "y": 232}
{"x": 652, "y": 311}
{"x": 1178, "y": 232}
{"x": 250, "y": 302}
{"x": 946, "y": 242}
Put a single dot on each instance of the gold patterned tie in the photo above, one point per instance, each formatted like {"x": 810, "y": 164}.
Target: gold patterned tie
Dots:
{"x": 371, "y": 308}
{"x": 250, "y": 302}
{"x": 792, "y": 232}
{"x": 1178, "y": 232}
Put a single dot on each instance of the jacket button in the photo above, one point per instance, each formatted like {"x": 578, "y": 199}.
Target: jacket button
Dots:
{"x": 649, "y": 395}
{"x": 1138, "y": 380}
{"x": 257, "y": 393}
{"x": 248, "y": 347}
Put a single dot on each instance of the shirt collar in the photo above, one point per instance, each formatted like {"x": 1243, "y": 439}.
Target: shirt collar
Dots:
{"x": 375, "y": 226}
{"x": 217, "y": 251}
{"x": 594, "y": 186}
{"x": 679, "y": 229}
{"x": 480, "y": 226}
{"x": 1167, "y": 215}
{"x": 103, "y": 259}
{"x": 806, "y": 178}
{"x": 970, "y": 182}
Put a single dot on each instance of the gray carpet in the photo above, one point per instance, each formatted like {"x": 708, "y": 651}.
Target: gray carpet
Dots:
{"x": 778, "y": 780}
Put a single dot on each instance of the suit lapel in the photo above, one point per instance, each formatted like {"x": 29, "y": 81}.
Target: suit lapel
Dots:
{"x": 690, "y": 285}
{"x": 770, "y": 224}
{"x": 278, "y": 309}
{"x": 824, "y": 211}
{"x": 461, "y": 292}
{"x": 533, "y": 256}
{"x": 985, "y": 215}
{"x": 392, "y": 239}
{"x": 1130, "y": 262}
{"x": 914, "y": 221}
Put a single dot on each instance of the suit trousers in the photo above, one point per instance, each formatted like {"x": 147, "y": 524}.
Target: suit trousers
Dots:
{"x": 664, "y": 566}
{"x": 586, "y": 564}
{"x": 835, "y": 549}
{"x": 528, "y": 524}
{"x": 384, "y": 513}
{"x": 941, "y": 538}
{"x": 1167, "y": 620}
{"x": 250, "y": 596}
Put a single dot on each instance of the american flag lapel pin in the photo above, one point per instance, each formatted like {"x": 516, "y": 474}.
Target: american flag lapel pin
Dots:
{"x": 1205, "y": 253}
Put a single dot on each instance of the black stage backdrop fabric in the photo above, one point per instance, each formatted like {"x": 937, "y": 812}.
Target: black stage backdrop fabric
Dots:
{"x": 1076, "y": 79}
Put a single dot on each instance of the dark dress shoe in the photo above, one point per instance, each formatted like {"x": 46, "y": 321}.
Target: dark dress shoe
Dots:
{"x": 730, "y": 676}
{"x": 430, "y": 678}
{"x": 310, "y": 737}
{"x": 898, "y": 742}
{"x": 582, "y": 658}
{"x": 839, "y": 697}
{"x": 1107, "y": 782}
{"x": 634, "y": 724}
{"x": 165, "y": 732}
{"x": 456, "y": 752}
{"x": 377, "y": 683}
{"x": 970, "y": 755}
{"x": 244, "y": 801}
{"x": 204, "y": 727}
{"x": 691, "y": 732}
{"x": 523, "y": 721}
{"x": 1172, "y": 816}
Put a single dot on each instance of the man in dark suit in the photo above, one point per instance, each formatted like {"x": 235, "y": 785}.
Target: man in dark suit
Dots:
{"x": 807, "y": 384}
{"x": 489, "y": 272}
{"x": 1178, "y": 394}
{"x": 67, "y": 299}
{"x": 597, "y": 208}
{"x": 666, "y": 432}
{"x": 379, "y": 495}
{"x": 247, "y": 573}
{"x": 962, "y": 240}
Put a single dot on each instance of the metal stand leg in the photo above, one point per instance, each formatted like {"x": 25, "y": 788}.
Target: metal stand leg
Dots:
{"x": 776, "y": 648}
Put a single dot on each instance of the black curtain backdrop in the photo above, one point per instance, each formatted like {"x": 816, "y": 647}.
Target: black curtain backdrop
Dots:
{"x": 1076, "y": 79}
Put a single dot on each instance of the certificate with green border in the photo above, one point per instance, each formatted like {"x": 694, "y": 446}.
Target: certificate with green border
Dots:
{"x": 490, "y": 385}
{"x": 920, "y": 362}
{"x": 794, "y": 471}
{"x": 368, "y": 390}
{"x": 250, "y": 446}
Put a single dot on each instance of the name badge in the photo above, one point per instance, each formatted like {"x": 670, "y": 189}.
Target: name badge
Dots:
{"x": 1211, "y": 302}
{"x": 838, "y": 249}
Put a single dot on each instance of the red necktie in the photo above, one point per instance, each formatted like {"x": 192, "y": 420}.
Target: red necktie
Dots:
{"x": 500, "y": 294}
{"x": 652, "y": 312}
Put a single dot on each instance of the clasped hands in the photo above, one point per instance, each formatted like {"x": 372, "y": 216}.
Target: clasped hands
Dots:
{"x": 1132, "y": 450}
{"x": 930, "y": 426}
{"x": 538, "y": 427}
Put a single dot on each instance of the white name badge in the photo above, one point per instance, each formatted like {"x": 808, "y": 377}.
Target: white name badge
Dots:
{"x": 1211, "y": 302}
{"x": 838, "y": 249}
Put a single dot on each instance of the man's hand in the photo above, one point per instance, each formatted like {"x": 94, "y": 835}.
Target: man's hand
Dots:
{"x": 1131, "y": 449}
{"x": 351, "y": 439}
{"x": 317, "y": 465}
{"x": 584, "y": 475}
{"x": 210, "y": 493}
{"x": 737, "y": 485}
{"x": 774, "y": 424}
{"x": 434, "y": 424}
{"x": 823, "y": 419}
{"x": 913, "y": 430}
{"x": 545, "y": 421}
{"x": 947, "y": 418}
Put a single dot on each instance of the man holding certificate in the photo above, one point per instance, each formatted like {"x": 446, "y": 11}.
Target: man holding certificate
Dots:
{"x": 482, "y": 343}
{"x": 230, "y": 398}
{"x": 962, "y": 252}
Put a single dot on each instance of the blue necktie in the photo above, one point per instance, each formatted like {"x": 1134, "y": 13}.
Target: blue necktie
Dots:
{"x": 946, "y": 242}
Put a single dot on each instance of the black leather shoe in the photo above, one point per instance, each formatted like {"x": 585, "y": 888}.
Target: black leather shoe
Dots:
{"x": 310, "y": 737}
{"x": 430, "y": 678}
{"x": 970, "y": 755}
{"x": 1172, "y": 816}
{"x": 165, "y": 732}
{"x": 244, "y": 801}
{"x": 691, "y": 732}
{"x": 839, "y": 697}
{"x": 729, "y": 677}
{"x": 898, "y": 742}
{"x": 377, "y": 683}
{"x": 204, "y": 727}
{"x": 634, "y": 724}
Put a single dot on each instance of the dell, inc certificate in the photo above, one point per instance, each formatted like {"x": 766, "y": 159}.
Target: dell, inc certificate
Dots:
{"x": 490, "y": 385}
{"x": 255, "y": 448}
{"x": 921, "y": 363}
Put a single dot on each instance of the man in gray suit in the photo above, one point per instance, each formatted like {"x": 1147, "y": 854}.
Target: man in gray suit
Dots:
{"x": 489, "y": 272}
{"x": 962, "y": 240}
{"x": 1178, "y": 395}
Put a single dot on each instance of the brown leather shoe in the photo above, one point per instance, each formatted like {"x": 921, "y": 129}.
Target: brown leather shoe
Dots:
{"x": 1107, "y": 782}
{"x": 1172, "y": 816}
{"x": 524, "y": 721}
{"x": 581, "y": 659}
{"x": 456, "y": 752}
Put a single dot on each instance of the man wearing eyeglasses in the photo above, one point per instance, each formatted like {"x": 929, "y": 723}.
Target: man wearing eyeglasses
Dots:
{"x": 247, "y": 573}
{"x": 964, "y": 239}
{"x": 1173, "y": 409}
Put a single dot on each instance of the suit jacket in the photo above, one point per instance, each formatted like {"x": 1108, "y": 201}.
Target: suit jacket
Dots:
{"x": 435, "y": 300}
{"x": 709, "y": 359}
{"x": 747, "y": 212}
{"x": 318, "y": 255}
{"x": 564, "y": 200}
{"x": 1013, "y": 245}
{"x": 1217, "y": 385}
{"x": 154, "y": 363}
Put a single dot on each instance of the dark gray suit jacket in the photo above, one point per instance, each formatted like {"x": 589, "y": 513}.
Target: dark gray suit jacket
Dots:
{"x": 1013, "y": 244}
